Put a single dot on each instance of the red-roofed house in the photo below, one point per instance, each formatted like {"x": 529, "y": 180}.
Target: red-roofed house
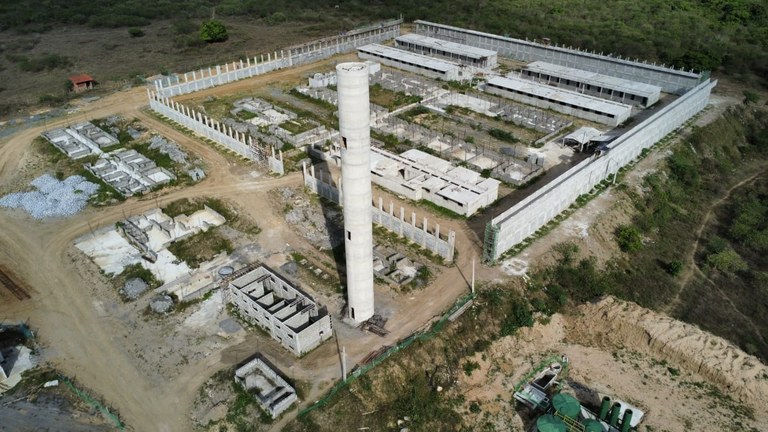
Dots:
{"x": 82, "y": 82}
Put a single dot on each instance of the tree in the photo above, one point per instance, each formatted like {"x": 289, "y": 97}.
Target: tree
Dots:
{"x": 135, "y": 32}
{"x": 213, "y": 31}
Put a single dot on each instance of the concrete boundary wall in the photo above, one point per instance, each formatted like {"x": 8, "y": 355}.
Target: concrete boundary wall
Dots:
{"x": 416, "y": 230}
{"x": 526, "y": 217}
{"x": 205, "y": 126}
{"x": 320, "y": 49}
{"x": 669, "y": 79}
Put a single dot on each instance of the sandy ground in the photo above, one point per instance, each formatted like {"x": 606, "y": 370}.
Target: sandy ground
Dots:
{"x": 682, "y": 377}
{"x": 90, "y": 334}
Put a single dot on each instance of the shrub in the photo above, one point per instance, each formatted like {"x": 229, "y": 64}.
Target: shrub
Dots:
{"x": 135, "y": 32}
{"x": 727, "y": 261}
{"x": 629, "y": 238}
{"x": 213, "y": 31}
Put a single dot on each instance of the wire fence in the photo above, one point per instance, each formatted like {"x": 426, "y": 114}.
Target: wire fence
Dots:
{"x": 87, "y": 398}
{"x": 362, "y": 370}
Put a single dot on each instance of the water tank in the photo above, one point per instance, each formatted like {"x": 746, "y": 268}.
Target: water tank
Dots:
{"x": 567, "y": 405}
{"x": 226, "y": 271}
{"x": 592, "y": 426}
{"x": 550, "y": 423}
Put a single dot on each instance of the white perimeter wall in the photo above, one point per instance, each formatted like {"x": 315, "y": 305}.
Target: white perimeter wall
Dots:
{"x": 532, "y": 213}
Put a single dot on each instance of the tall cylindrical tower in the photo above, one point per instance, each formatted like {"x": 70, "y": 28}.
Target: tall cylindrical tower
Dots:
{"x": 354, "y": 127}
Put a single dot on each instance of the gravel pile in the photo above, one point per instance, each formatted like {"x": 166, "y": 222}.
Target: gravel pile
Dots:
{"x": 134, "y": 287}
{"x": 161, "y": 304}
{"x": 53, "y": 198}
{"x": 168, "y": 147}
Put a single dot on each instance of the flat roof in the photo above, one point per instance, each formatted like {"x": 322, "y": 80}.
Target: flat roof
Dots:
{"x": 560, "y": 95}
{"x": 592, "y": 78}
{"x": 452, "y": 47}
{"x": 562, "y": 49}
{"x": 408, "y": 57}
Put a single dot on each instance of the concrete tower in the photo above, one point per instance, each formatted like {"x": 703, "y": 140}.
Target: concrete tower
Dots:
{"x": 354, "y": 126}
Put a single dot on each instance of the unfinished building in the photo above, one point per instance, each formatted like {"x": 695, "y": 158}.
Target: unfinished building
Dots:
{"x": 564, "y": 101}
{"x": 271, "y": 391}
{"x": 129, "y": 172}
{"x": 455, "y": 52}
{"x": 419, "y": 175}
{"x": 408, "y": 61}
{"x": 592, "y": 83}
{"x": 270, "y": 301}
{"x": 80, "y": 140}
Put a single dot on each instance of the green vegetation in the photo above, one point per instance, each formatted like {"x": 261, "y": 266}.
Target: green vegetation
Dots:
{"x": 213, "y": 31}
{"x": 412, "y": 113}
{"x": 503, "y": 135}
{"x": 297, "y": 126}
{"x": 389, "y": 99}
{"x": 137, "y": 271}
{"x": 135, "y": 32}
{"x": 629, "y": 238}
{"x": 200, "y": 247}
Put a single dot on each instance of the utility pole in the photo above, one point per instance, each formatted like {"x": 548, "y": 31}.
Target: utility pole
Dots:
{"x": 344, "y": 363}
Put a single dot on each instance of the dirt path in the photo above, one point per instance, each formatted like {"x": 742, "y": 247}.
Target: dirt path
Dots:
{"x": 693, "y": 268}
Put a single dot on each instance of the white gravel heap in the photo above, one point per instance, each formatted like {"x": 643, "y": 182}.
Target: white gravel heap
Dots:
{"x": 53, "y": 198}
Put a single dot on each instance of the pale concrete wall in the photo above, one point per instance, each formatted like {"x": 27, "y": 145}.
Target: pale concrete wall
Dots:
{"x": 670, "y": 80}
{"x": 193, "y": 81}
{"x": 204, "y": 126}
{"x": 416, "y": 230}
{"x": 535, "y": 211}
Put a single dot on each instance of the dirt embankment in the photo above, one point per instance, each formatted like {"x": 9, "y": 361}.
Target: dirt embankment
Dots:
{"x": 615, "y": 323}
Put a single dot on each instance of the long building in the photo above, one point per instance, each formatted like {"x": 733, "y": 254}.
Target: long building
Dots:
{"x": 455, "y": 52}
{"x": 411, "y": 62}
{"x": 564, "y": 101}
{"x": 419, "y": 175}
{"x": 273, "y": 303}
{"x": 594, "y": 84}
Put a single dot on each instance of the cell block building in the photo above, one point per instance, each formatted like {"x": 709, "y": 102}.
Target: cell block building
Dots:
{"x": 455, "y": 52}
{"x": 594, "y": 84}
{"x": 564, "y": 101}
{"x": 271, "y": 391}
{"x": 411, "y": 62}
{"x": 419, "y": 175}
{"x": 273, "y": 303}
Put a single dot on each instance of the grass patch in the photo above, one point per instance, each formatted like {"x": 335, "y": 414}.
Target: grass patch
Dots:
{"x": 442, "y": 211}
{"x": 389, "y": 99}
{"x": 297, "y": 126}
{"x": 200, "y": 247}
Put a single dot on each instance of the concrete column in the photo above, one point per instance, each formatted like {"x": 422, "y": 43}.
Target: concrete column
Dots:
{"x": 402, "y": 221}
{"x": 413, "y": 219}
{"x": 354, "y": 128}
{"x": 381, "y": 204}
{"x": 392, "y": 209}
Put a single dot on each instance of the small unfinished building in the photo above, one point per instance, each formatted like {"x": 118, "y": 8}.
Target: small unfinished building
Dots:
{"x": 419, "y": 175}
{"x": 273, "y": 393}
{"x": 594, "y": 84}
{"x": 273, "y": 303}
{"x": 408, "y": 61}
{"x": 564, "y": 101}
{"x": 455, "y": 52}
{"x": 129, "y": 172}
{"x": 80, "y": 140}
